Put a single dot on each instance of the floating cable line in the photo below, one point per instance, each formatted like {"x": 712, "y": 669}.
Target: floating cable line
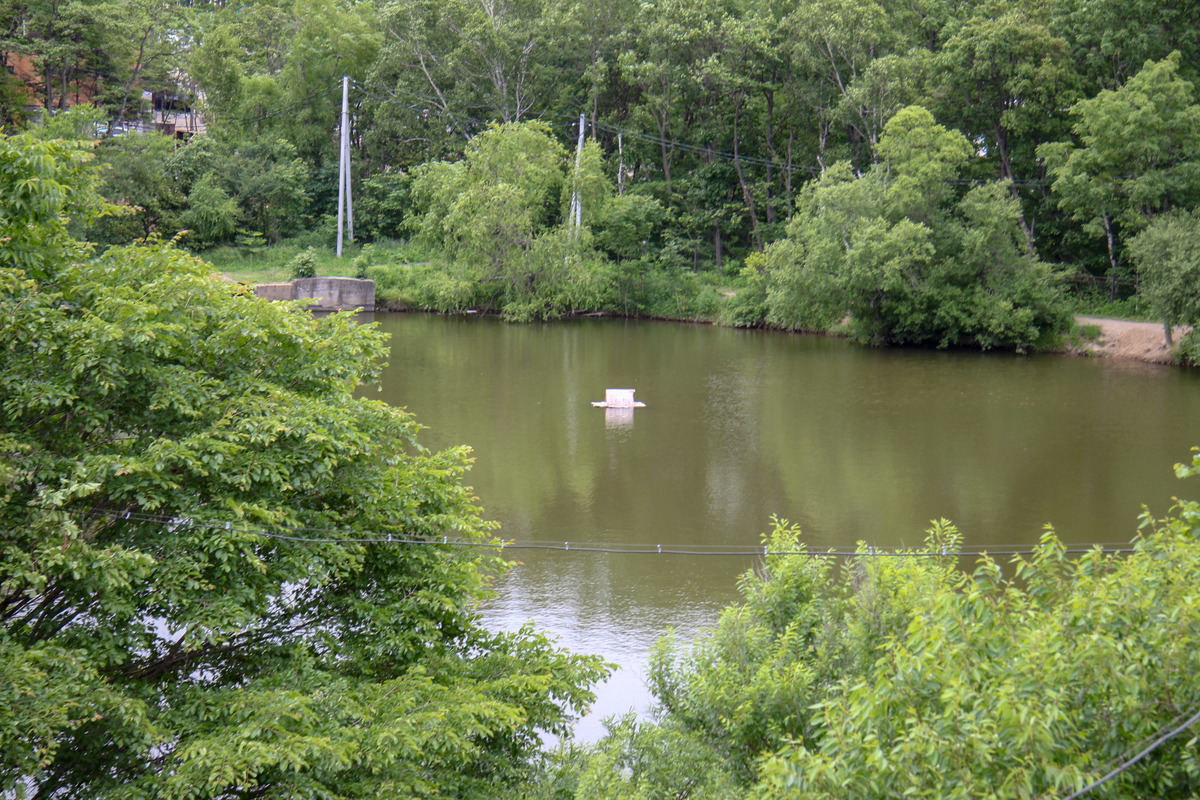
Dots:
{"x": 294, "y": 534}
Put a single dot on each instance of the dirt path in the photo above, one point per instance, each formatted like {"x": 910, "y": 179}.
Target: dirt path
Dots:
{"x": 1143, "y": 341}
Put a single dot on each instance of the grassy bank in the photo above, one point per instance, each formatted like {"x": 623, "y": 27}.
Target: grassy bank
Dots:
{"x": 410, "y": 277}
{"x": 272, "y": 264}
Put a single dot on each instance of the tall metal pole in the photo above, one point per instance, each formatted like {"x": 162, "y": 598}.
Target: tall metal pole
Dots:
{"x": 349, "y": 172}
{"x": 343, "y": 167}
{"x": 576, "y": 197}
{"x": 349, "y": 199}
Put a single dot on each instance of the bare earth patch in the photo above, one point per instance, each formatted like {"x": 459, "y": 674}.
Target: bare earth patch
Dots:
{"x": 1143, "y": 341}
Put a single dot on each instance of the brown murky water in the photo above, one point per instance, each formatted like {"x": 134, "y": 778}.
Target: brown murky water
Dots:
{"x": 854, "y": 444}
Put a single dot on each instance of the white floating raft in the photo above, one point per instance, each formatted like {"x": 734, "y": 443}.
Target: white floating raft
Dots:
{"x": 618, "y": 398}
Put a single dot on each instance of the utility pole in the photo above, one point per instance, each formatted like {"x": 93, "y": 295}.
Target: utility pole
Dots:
{"x": 346, "y": 160}
{"x": 344, "y": 168}
{"x": 576, "y": 199}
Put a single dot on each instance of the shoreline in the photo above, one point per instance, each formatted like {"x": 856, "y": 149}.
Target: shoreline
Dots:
{"x": 1138, "y": 341}
{"x": 1125, "y": 339}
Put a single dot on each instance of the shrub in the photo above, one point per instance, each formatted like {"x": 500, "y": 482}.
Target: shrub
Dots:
{"x": 304, "y": 265}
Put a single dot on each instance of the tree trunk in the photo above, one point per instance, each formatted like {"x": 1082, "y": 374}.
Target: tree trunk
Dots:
{"x": 133, "y": 76}
{"x": 1006, "y": 172}
{"x": 747, "y": 195}
{"x": 1112, "y": 259}
{"x": 770, "y": 97}
{"x": 787, "y": 173}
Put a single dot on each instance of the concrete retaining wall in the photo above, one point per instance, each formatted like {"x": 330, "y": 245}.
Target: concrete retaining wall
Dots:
{"x": 329, "y": 294}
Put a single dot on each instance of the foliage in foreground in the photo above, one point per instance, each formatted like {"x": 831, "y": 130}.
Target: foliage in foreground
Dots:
{"x": 901, "y": 676}
{"x": 220, "y": 570}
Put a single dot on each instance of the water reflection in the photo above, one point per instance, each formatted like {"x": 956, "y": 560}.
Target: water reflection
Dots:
{"x": 618, "y": 418}
{"x": 852, "y": 443}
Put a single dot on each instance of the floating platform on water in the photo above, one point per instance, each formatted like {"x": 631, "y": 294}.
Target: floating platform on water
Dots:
{"x": 618, "y": 398}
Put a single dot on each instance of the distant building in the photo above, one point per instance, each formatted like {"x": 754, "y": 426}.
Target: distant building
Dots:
{"x": 170, "y": 114}
{"x": 176, "y": 115}
{"x": 77, "y": 92}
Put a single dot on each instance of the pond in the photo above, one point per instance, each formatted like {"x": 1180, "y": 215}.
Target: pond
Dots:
{"x": 852, "y": 443}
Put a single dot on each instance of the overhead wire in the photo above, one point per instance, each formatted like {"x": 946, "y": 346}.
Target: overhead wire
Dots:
{"x": 1165, "y": 735}
{"x": 373, "y": 89}
{"x": 380, "y": 91}
{"x": 293, "y": 533}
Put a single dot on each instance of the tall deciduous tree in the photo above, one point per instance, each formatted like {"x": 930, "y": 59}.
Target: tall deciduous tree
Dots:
{"x": 499, "y": 215}
{"x": 1003, "y": 80}
{"x": 447, "y": 69}
{"x": 224, "y": 574}
{"x": 142, "y": 44}
{"x": 330, "y": 40}
{"x": 1112, "y": 39}
{"x": 907, "y": 257}
{"x": 1139, "y": 154}
{"x": 1167, "y": 257}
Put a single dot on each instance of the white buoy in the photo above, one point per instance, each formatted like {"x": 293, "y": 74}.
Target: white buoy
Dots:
{"x": 618, "y": 398}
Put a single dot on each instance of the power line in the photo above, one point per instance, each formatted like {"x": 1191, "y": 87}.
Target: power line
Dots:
{"x": 707, "y": 152}
{"x": 373, "y": 538}
{"x": 1159, "y": 742}
{"x": 371, "y": 90}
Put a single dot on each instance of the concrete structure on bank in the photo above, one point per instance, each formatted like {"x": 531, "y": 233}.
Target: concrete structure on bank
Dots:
{"x": 330, "y": 294}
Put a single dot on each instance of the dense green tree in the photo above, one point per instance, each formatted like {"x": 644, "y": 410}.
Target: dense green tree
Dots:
{"x": 63, "y": 40}
{"x": 837, "y": 40}
{"x": 1167, "y": 257}
{"x": 107, "y": 52}
{"x": 12, "y": 114}
{"x": 224, "y": 574}
{"x": 494, "y": 203}
{"x": 269, "y": 181}
{"x": 660, "y": 66}
{"x": 500, "y": 216}
{"x": 1111, "y": 40}
{"x": 142, "y": 48}
{"x": 1032, "y": 685}
{"x": 215, "y": 66}
{"x": 331, "y": 40}
{"x": 584, "y": 42}
{"x": 211, "y": 216}
{"x": 1002, "y": 80}
{"x": 40, "y": 179}
{"x": 908, "y": 258}
{"x": 447, "y": 69}
{"x": 136, "y": 175}
{"x": 1139, "y": 155}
